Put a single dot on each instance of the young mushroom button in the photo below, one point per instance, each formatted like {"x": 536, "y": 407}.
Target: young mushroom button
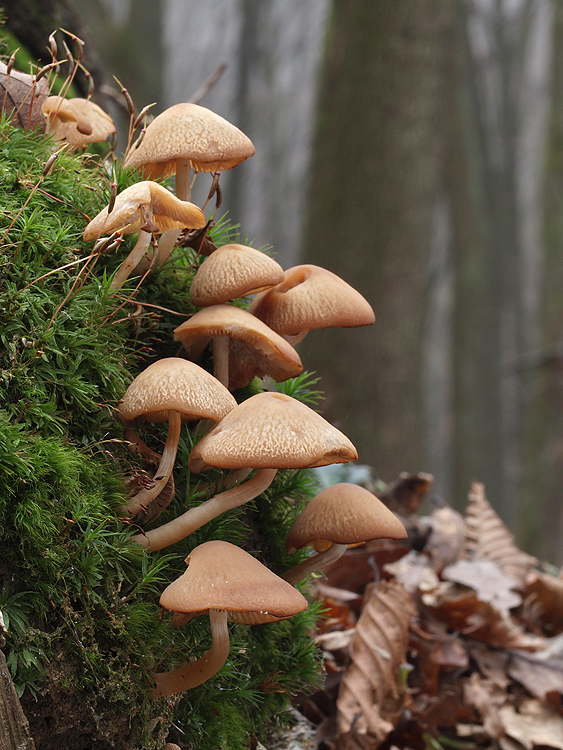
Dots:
{"x": 341, "y": 515}
{"x": 310, "y": 297}
{"x": 172, "y": 389}
{"x": 269, "y": 431}
{"x": 231, "y": 585}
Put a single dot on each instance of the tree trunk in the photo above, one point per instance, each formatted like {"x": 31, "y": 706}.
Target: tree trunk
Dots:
{"x": 374, "y": 182}
{"x": 14, "y": 727}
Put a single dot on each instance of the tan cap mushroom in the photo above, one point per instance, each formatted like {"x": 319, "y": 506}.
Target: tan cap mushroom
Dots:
{"x": 77, "y": 121}
{"x": 269, "y": 431}
{"x": 341, "y": 515}
{"x": 147, "y": 208}
{"x": 230, "y": 584}
{"x": 187, "y": 136}
{"x": 243, "y": 346}
{"x": 233, "y": 271}
{"x": 308, "y": 298}
{"x": 171, "y": 389}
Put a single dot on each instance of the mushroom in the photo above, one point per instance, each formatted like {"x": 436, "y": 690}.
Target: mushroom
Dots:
{"x": 77, "y": 121}
{"x": 242, "y": 344}
{"x": 147, "y": 208}
{"x": 233, "y": 271}
{"x": 172, "y": 390}
{"x": 230, "y": 584}
{"x": 341, "y": 515}
{"x": 187, "y": 136}
{"x": 308, "y": 298}
{"x": 268, "y": 431}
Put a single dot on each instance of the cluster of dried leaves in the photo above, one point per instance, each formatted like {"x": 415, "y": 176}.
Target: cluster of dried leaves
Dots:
{"x": 453, "y": 641}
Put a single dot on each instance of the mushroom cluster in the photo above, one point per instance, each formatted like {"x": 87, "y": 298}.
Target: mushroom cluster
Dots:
{"x": 254, "y": 439}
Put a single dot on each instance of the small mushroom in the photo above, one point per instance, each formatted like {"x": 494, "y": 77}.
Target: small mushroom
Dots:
{"x": 343, "y": 514}
{"x": 269, "y": 431}
{"x": 308, "y": 298}
{"x": 187, "y": 136}
{"x": 77, "y": 121}
{"x": 229, "y": 584}
{"x": 243, "y": 346}
{"x": 233, "y": 271}
{"x": 172, "y": 390}
{"x": 147, "y": 208}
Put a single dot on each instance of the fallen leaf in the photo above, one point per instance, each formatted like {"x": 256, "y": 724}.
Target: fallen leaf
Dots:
{"x": 446, "y": 539}
{"x": 544, "y": 597}
{"x": 22, "y": 98}
{"x": 487, "y": 579}
{"x": 370, "y": 699}
{"x": 533, "y": 724}
{"x": 488, "y": 538}
{"x": 405, "y": 495}
{"x": 486, "y": 697}
{"x": 462, "y": 610}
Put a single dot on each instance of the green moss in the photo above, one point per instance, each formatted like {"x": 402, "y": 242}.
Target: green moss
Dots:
{"x": 81, "y": 600}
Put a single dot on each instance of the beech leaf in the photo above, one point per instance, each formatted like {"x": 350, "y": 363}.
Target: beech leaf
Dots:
{"x": 462, "y": 610}
{"x": 22, "y": 98}
{"x": 369, "y": 700}
{"x": 487, "y": 579}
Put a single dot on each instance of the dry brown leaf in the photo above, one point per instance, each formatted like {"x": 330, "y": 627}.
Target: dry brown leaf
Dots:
{"x": 446, "y": 539}
{"x": 487, "y": 580}
{"x": 461, "y": 609}
{"x": 486, "y": 697}
{"x": 369, "y": 700}
{"x": 533, "y": 724}
{"x": 406, "y": 493}
{"x": 489, "y": 539}
{"x": 20, "y": 95}
{"x": 544, "y": 596}
{"x": 542, "y": 673}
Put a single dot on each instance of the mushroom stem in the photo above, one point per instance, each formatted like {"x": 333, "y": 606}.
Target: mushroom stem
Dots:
{"x": 166, "y": 244}
{"x": 183, "y": 186}
{"x": 161, "y": 476}
{"x": 221, "y": 359}
{"x": 197, "y": 672}
{"x": 182, "y": 526}
{"x": 132, "y": 260}
{"x": 314, "y": 563}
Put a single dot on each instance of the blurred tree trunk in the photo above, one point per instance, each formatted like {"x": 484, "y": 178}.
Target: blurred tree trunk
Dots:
{"x": 374, "y": 182}
{"x": 543, "y": 488}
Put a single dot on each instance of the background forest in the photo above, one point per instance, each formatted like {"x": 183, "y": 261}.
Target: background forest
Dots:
{"x": 414, "y": 148}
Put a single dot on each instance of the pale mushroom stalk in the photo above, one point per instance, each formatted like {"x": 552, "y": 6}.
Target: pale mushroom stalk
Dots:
{"x": 315, "y": 562}
{"x": 132, "y": 260}
{"x": 143, "y": 498}
{"x": 197, "y": 672}
{"x": 182, "y": 526}
{"x": 183, "y": 184}
{"x": 221, "y": 359}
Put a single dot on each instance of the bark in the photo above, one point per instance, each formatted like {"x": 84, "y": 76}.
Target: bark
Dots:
{"x": 14, "y": 727}
{"x": 374, "y": 182}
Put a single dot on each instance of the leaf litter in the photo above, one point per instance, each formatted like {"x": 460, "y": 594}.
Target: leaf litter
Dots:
{"x": 455, "y": 642}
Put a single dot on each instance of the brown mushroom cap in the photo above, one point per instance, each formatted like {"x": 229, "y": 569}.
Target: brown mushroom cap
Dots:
{"x": 78, "y": 121}
{"x": 165, "y": 211}
{"x": 343, "y": 513}
{"x": 189, "y": 132}
{"x": 223, "y": 576}
{"x": 273, "y": 431}
{"x": 233, "y": 271}
{"x": 254, "y": 348}
{"x": 311, "y": 297}
{"x": 175, "y": 383}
